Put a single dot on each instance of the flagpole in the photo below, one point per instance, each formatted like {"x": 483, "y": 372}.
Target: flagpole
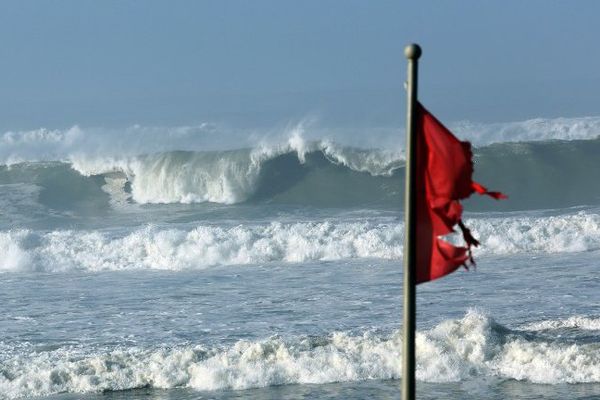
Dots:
{"x": 412, "y": 53}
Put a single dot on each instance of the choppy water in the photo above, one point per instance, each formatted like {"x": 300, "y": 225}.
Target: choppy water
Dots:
{"x": 241, "y": 327}
{"x": 274, "y": 271}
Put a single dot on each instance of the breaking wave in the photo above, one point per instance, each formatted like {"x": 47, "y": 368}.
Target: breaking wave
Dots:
{"x": 237, "y": 175}
{"x": 454, "y": 350}
{"x": 63, "y": 144}
{"x": 204, "y": 246}
{"x": 317, "y": 173}
{"x": 296, "y": 171}
{"x": 298, "y": 164}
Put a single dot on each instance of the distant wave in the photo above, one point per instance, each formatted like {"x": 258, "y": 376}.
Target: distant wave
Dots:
{"x": 454, "y": 350}
{"x": 226, "y": 177}
{"x": 207, "y": 245}
{"x": 233, "y": 176}
{"x": 77, "y": 142}
{"x": 537, "y": 129}
{"x": 535, "y": 175}
{"x": 96, "y": 168}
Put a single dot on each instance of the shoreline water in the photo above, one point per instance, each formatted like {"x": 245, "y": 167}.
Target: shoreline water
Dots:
{"x": 390, "y": 389}
{"x": 71, "y": 317}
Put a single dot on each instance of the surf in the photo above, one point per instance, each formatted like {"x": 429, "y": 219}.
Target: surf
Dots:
{"x": 195, "y": 246}
{"x": 321, "y": 174}
{"x": 455, "y": 350}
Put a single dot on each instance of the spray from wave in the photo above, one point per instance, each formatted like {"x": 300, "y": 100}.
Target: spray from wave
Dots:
{"x": 537, "y": 129}
{"x": 201, "y": 164}
{"x": 78, "y": 142}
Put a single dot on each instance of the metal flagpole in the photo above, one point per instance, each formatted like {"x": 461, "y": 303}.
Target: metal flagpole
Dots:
{"x": 412, "y": 53}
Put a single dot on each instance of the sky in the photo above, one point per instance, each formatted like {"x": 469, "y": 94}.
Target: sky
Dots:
{"x": 262, "y": 62}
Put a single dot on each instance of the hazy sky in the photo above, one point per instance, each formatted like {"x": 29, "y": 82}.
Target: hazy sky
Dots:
{"x": 112, "y": 63}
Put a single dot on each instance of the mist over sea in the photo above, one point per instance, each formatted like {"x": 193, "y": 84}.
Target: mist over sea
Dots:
{"x": 214, "y": 262}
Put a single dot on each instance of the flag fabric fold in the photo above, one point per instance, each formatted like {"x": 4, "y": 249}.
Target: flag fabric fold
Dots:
{"x": 444, "y": 177}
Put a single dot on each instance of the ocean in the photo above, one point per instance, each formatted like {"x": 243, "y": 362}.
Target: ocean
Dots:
{"x": 205, "y": 263}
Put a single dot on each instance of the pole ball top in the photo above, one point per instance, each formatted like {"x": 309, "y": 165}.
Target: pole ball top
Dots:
{"x": 412, "y": 51}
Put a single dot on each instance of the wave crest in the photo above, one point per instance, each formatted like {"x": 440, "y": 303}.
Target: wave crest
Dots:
{"x": 206, "y": 245}
{"x": 46, "y": 144}
{"x": 454, "y": 350}
{"x": 317, "y": 173}
{"x": 228, "y": 177}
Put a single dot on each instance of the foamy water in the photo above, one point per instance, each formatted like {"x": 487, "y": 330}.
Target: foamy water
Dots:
{"x": 453, "y": 351}
{"x": 183, "y": 338}
{"x": 203, "y": 260}
{"x": 203, "y": 246}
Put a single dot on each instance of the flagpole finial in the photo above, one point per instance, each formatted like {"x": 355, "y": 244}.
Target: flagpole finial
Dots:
{"x": 412, "y": 51}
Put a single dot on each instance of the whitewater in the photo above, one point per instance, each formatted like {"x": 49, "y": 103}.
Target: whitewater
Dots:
{"x": 209, "y": 261}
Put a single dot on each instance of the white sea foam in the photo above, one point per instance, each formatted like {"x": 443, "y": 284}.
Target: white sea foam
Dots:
{"x": 574, "y": 322}
{"x": 525, "y": 234}
{"x": 174, "y": 249}
{"x": 206, "y": 245}
{"x": 537, "y": 129}
{"x": 477, "y": 345}
{"x": 452, "y": 351}
{"x": 46, "y": 144}
{"x": 14, "y": 256}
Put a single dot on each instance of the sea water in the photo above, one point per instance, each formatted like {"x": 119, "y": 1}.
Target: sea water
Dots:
{"x": 173, "y": 268}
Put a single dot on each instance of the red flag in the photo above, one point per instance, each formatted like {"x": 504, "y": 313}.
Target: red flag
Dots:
{"x": 444, "y": 171}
